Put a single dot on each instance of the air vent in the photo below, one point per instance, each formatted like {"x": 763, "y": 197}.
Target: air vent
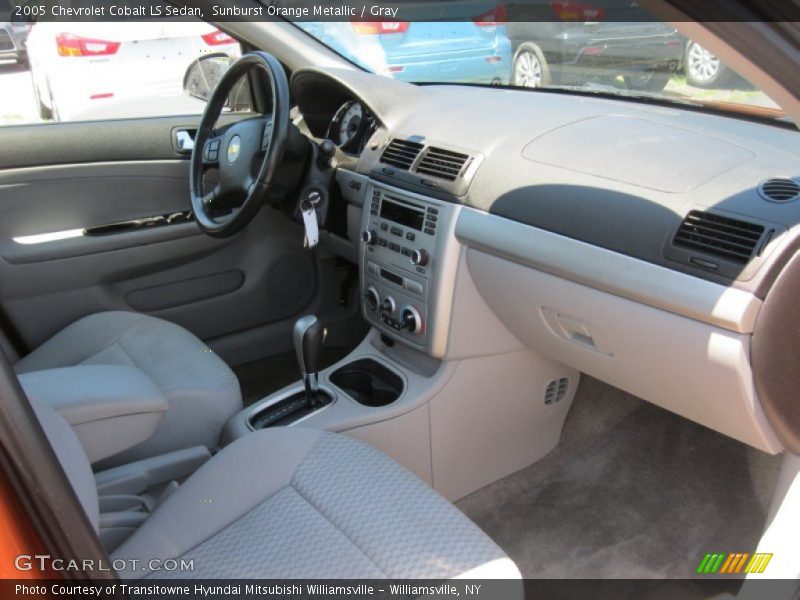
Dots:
{"x": 556, "y": 391}
{"x": 441, "y": 163}
{"x": 401, "y": 153}
{"x": 779, "y": 190}
{"x": 722, "y": 236}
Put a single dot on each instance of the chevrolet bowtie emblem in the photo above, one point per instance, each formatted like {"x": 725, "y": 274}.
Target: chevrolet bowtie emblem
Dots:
{"x": 233, "y": 149}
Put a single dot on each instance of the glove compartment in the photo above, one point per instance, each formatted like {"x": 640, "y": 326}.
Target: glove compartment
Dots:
{"x": 693, "y": 368}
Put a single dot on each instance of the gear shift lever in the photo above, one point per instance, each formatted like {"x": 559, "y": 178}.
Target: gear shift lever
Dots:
{"x": 309, "y": 334}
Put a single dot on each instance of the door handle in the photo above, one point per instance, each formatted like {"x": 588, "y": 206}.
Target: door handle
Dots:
{"x": 184, "y": 140}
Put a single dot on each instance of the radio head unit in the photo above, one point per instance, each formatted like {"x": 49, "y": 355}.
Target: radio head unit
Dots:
{"x": 401, "y": 213}
{"x": 404, "y": 243}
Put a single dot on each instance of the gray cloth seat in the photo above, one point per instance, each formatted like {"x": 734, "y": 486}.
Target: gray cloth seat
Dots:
{"x": 297, "y": 503}
{"x": 202, "y": 392}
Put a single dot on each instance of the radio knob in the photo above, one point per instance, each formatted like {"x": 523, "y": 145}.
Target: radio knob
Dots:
{"x": 371, "y": 299}
{"x": 410, "y": 320}
{"x": 388, "y": 305}
{"x": 369, "y": 237}
{"x": 420, "y": 257}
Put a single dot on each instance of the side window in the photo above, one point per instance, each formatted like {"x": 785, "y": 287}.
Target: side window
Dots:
{"x": 76, "y": 71}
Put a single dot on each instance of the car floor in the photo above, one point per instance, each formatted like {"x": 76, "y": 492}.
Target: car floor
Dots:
{"x": 631, "y": 491}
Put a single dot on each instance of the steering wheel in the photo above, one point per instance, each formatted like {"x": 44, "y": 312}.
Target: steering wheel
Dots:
{"x": 246, "y": 153}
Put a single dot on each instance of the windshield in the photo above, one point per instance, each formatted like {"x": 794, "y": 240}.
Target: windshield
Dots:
{"x": 623, "y": 52}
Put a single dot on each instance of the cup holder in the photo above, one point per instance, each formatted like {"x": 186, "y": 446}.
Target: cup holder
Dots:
{"x": 368, "y": 382}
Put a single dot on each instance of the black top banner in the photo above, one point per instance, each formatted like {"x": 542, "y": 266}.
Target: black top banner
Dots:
{"x": 496, "y": 11}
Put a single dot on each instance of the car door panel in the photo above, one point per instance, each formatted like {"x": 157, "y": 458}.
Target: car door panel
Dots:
{"x": 213, "y": 287}
{"x": 57, "y": 199}
{"x": 91, "y": 141}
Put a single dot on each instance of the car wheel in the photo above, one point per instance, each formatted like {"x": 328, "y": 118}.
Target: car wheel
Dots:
{"x": 647, "y": 81}
{"x": 530, "y": 68}
{"x": 702, "y": 68}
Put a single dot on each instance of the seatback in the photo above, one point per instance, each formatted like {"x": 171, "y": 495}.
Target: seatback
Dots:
{"x": 72, "y": 457}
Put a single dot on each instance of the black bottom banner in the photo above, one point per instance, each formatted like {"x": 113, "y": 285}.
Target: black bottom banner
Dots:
{"x": 532, "y": 589}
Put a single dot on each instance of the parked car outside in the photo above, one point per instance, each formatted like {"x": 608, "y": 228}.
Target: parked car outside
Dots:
{"x": 703, "y": 69}
{"x": 475, "y": 51}
{"x": 588, "y": 43}
{"x": 80, "y": 68}
{"x": 13, "y": 37}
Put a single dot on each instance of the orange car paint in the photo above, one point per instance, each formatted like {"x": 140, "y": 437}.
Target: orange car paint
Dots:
{"x": 17, "y": 536}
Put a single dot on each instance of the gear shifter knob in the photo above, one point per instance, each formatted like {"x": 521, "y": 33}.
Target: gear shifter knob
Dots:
{"x": 309, "y": 334}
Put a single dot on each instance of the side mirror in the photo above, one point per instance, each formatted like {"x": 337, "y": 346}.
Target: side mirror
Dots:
{"x": 203, "y": 75}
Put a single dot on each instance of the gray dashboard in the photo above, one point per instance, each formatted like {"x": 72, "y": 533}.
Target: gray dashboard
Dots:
{"x": 619, "y": 175}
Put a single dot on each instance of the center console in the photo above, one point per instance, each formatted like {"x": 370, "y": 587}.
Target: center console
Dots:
{"x": 407, "y": 266}
{"x": 436, "y": 365}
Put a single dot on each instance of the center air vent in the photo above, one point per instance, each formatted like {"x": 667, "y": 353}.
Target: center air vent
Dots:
{"x": 721, "y": 236}
{"x": 780, "y": 190}
{"x": 442, "y": 163}
{"x": 401, "y": 153}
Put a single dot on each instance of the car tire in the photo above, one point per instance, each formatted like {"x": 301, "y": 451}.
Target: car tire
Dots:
{"x": 530, "y": 67}
{"x": 703, "y": 69}
{"x": 653, "y": 80}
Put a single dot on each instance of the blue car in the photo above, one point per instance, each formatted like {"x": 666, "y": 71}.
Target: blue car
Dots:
{"x": 475, "y": 50}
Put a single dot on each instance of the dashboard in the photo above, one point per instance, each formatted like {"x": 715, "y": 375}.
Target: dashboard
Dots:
{"x": 637, "y": 179}
{"x": 643, "y": 244}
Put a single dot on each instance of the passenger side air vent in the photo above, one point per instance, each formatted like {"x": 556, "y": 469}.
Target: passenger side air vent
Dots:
{"x": 401, "y": 153}
{"x": 556, "y": 391}
{"x": 779, "y": 190}
{"x": 721, "y": 236}
{"x": 442, "y": 163}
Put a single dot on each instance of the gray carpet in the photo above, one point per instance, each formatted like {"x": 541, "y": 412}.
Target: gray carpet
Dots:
{"x": 632, "y": 491}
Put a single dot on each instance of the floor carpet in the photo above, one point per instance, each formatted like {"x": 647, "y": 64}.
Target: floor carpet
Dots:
{"x": 632, "y": 491}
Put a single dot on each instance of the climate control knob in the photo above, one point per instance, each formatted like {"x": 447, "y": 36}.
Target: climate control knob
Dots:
{"x": 410, "y": 319}
{"x": 420, "y": 257}
{"x": 369, "y": 237}
{"x": 388, "y": 306}
{"x": 371, "y": 299}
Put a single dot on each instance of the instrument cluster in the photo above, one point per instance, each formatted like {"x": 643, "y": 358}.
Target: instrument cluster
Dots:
{"x": 351, "y": 127}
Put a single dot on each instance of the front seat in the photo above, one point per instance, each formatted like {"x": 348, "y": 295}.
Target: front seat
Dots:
{"x": 294, "y": 503}
{"x": 202, "y": 392}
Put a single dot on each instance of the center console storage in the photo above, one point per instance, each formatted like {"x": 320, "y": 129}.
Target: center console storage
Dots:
{"x": 368, "y": 382}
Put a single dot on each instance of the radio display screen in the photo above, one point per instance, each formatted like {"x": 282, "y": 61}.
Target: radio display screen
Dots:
{"x": 402, "y": 214}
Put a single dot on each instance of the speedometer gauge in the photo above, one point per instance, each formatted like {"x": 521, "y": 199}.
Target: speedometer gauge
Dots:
{"x": 349, "y": 123}
{"x": 348, "y": 126}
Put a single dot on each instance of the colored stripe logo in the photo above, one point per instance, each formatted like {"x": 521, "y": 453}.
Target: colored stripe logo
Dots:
{"x": 728, "y": 564}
